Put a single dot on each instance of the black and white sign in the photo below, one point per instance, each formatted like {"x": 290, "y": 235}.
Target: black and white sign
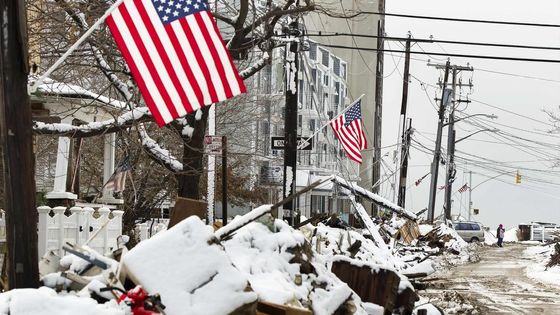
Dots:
{"x": 277, "y": 143}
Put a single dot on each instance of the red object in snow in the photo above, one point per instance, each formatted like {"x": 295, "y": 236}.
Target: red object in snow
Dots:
{"x": 140, "y": 302}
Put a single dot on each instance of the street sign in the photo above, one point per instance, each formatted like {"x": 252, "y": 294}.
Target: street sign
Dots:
{"x": 277, "y": 143}
{"x": 213, "y": 145}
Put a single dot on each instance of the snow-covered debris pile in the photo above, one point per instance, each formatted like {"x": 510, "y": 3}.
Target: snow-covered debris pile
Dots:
{"x": 329, "y": 241}
{"x": 282, "y": 269}
{"x": 512, "y": 235}
{"x": 546, "y": 267}
{"x": 445, "y": 237}
{"x": 46, "y": 301}
{"x": 554, "y": 257}
{"x": 189, "y": 269}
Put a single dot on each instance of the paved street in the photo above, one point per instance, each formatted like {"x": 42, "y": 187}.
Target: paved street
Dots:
{"x": 498, "y": 284}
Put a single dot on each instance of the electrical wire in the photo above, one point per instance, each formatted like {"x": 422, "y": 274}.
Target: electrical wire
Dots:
{"x": 425, "y": 17}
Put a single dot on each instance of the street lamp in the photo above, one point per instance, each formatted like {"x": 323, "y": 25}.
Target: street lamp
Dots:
{"x": 450, "y": 168}
{"x": 474, "y": 133}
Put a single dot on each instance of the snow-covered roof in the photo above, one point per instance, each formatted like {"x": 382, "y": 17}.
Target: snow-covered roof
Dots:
{"x": 355, "y": 189}
{"x": 55, "y": 88}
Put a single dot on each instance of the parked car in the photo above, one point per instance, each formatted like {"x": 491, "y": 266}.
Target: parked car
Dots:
{"x": 470, "y": 231}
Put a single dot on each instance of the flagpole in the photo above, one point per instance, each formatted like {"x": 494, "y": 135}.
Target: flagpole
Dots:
{"x": 305, "y": 142}
{"x": 75, "y": 45}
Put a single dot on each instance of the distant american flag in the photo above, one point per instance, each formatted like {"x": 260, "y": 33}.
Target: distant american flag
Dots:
{"x": 117, "y": 181}
{"x": 463, "y": 188}
{"x": 176, "y": 55}
{"x": 348, "y": 129}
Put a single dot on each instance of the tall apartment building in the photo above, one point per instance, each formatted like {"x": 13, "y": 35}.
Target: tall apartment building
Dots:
{"x": 322, "y": 95}
{"x": 365, "y": 68}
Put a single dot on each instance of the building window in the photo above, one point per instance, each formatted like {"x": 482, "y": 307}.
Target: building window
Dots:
{"x": 324, "y": 57}
{"x": 312, "y": 51}
{"x": 318, "y": 204}
{"x": 300, "y": 92}
{"x": 311, "y": 124}
{"x": 337, "y": 93}
{"x": 336, "y": 66}
{"x": 326, "y": 80}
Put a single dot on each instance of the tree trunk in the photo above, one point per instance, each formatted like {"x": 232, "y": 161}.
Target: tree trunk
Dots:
{"x": 193, "y": 153}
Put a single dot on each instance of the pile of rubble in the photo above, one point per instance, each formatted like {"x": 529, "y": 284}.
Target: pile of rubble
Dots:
{"x": 554, "y": 257}
{"x": 255, "y": 265}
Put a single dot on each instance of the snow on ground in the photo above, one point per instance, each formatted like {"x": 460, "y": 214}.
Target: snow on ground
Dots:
{"x": 538, "y": 270}
{"x": 46, "y": 301}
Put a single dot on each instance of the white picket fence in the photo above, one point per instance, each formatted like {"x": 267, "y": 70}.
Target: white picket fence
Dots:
{"x": 150, "y": 228}
{"x": 543, "y": 233}
{"x": 76, "y": 228}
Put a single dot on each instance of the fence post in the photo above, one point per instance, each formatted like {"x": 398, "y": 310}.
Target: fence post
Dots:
{"x": 43, "y": 230}
{"x": 142, "y": 231}
{"x": 104, "y": 216}
{"x": 59, "y": 215}
{"x": 77, "y": 212}
{"x": 88, "y": 215}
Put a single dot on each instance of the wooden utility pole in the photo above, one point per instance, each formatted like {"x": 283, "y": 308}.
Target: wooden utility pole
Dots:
{"x": 437, "y": 151}
{"x": 224, "y": 180}
{"x": 449, "y": 177}
{"x": 377, "y": 120}
{"x": 290, "y": 123}
{"x": 404, "y": 164}
{"x": 404, "y": 144}
{"x": 19, "y": 164}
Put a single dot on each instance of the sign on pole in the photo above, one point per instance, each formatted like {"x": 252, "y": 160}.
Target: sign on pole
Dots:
{"x": 279, "y": 143}
{"x": 213, "y": 145}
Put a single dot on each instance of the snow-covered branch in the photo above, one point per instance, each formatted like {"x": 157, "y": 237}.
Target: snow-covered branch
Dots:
{"x": 121, "y": 122}
{"x": 159, "y": 154}
{"x": 256, "y": 67}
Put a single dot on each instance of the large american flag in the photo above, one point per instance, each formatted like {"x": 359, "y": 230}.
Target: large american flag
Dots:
{"x": 176, "y": 55}
{"x": 348, "y": 129}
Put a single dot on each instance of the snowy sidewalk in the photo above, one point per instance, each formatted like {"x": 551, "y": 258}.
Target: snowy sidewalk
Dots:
{"x": 498, "y": 284}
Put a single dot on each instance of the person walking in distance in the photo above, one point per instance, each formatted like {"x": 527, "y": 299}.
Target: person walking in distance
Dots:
{"x": 500, "y": 235}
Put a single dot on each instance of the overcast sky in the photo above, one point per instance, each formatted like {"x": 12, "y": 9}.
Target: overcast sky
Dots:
{"x": 499, "y": 200}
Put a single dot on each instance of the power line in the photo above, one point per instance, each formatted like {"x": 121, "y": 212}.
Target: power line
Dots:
{"x": 449, "y": 54}
{"x": 435, "y": 41}
{"x": 460, "y": 19}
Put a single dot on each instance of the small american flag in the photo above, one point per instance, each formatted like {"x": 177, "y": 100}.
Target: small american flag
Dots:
{"x": 117, "y": 181}
{"x": 348, "y": 129}
{"x": 176, "y": 55}
{"x": 419, "y": 181}
{"x": 463, "y": 188}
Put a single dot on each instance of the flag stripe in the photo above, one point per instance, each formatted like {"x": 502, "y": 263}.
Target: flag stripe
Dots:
{"x": 214, "y": 53}
{"x": 187, "y": 33}
{"x": 230, "y": 80}
{"x": 206, "y": 55}
{"x": 158, "y": 60}
{"x": 137, "y": 66}
{"x": 179, "y": 40}
{"x": 144, "y": 54}
{"x": 192, "y": 78}
{"x": 169, "y": 56}
{"x": 239, "y": 87}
